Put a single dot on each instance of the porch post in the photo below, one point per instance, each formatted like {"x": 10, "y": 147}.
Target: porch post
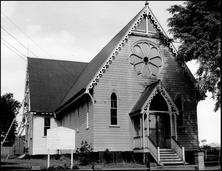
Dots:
{"x": 171, "y": 129}
{"x": 171, "y": 125}
{"x": 143, "y": 131}
{"x": 175, "y": 125}
{"x": 148, "y": 122}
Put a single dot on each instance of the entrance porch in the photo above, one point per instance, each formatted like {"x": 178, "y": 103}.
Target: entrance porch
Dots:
{"x": 154, "y": 119}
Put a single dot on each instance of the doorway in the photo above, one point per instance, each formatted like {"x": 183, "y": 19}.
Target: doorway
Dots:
{"x": 159, "y": 122}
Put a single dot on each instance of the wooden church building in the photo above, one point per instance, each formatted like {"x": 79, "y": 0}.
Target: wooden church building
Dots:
{"x": 133, "y": 96}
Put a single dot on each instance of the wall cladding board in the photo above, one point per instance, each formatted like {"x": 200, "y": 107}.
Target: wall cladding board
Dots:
{"x": 39, "y": 140}
{"x": 121, "y": 77}
{"x": 76, "y": 119}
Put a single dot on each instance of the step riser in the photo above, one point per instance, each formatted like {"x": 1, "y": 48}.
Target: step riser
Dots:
{"x": 169, "y": 157}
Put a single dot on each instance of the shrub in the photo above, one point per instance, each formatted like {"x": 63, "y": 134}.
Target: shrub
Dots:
{"x": 85, "y": 153}
{"x": 107, "y": 156}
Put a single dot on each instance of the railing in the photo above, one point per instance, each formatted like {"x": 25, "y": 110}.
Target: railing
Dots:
{"x": 154, "y": 150}
{"x": 177, "y": 148}
{"x": 138, "y": 142}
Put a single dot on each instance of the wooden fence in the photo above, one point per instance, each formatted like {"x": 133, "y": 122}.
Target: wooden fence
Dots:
{"x": 5, "y": 151}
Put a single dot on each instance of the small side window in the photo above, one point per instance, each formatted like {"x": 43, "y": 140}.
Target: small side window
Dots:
{"x": 47, "y": 125}
{"x": 179, "y": 104}
{"x": 113, "y": 112}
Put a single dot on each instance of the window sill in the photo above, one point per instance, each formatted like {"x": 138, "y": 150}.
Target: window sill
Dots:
{"x": 44, "y": 137}
{"x": 114, "y": 126}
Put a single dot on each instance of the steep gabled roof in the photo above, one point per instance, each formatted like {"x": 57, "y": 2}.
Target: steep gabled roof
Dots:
{"x": 49, "y": 81}
{"x": 143, "y": 98}
{"x": 97, "y": 62}
{"x": 98, "y": 65}
{"x": 146, "y": 97}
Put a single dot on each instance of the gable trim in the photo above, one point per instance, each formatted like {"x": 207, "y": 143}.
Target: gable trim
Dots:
{"x": 159, "y": 88}
{"x": 146, "y": 11}
{"x": 116, "y": 50}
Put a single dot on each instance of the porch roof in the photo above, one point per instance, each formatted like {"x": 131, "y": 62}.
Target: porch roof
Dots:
{"x": 144, "y": 96}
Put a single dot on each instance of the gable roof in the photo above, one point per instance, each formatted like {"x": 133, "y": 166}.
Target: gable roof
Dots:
{"x": 98, "y": 65}
{"x": 49, "y": 81}
{"x": 148, "y": 94}
{"x": 143, "y": 98}
{"x": 95, "y": 64}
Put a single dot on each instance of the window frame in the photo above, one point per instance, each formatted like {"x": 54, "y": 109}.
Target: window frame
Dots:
{"x": 46, "y": 126}
{"x": 180, "y": 117}
{"x": 114, "y": 109}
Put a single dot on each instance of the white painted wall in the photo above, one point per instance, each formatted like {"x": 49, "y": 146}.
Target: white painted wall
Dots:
{"x": 39, "y": 140}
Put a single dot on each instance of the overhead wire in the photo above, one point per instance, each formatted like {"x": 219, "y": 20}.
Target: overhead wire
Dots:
{"x": 38, "y": 45}
{"x": 41, "y": 69}
{"x": 17, "y": 40}
{"x": 33, "y": 42}
{"x": 13, "y": 51}
{"x": 14, "y": 48}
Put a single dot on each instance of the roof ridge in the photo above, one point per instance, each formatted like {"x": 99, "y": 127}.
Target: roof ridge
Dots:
{"x": 55, "y": 60}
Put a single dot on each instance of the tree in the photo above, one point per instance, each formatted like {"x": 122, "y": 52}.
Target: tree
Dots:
{"x": 9, "y": 109}
{"x": 197, "y": 25}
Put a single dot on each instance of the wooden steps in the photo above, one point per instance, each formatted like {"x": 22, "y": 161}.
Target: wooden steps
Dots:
{"x": 169, "y": 157}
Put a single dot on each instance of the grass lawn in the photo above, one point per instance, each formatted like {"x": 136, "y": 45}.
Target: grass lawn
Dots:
{"x": 63, "y": 162}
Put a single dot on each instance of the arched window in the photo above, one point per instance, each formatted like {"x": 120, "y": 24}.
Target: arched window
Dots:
{"x": 113, "y": 112}
{"x": 179, "y": 104}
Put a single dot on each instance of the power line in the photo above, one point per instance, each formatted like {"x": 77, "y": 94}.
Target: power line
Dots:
{"x": 14, "y": 51}
{"x": 25, "y": 34}
{"x": 17, "y": 40}
{"x": 42, "y": 50}
{"x": 40, "y": 67}
{"x": 13, "y": 47}
{"x": 39, "y": 46}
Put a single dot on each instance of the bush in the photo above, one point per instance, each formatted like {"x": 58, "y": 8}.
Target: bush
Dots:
{"x": 85, "y": 153}
{"x": 107, "y": 156}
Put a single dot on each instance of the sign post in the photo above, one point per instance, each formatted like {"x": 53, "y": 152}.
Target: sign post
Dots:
{"x": 71, "y": 158}
{"x": 60, "y": 138}
{"x": 48, "y": 164}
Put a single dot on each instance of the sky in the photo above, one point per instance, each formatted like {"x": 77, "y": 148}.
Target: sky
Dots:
{"x": 77, "y": 31}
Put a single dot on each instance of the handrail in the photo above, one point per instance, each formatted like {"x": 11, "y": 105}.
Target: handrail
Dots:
{"x": 178, "y": 148}
{"x": 152, "y": 141}
{"x": 154, "y": 150}
{"x": 176, "y": 141}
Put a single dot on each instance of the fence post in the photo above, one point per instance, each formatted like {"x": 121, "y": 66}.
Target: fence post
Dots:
{"x": 199, "y": 160}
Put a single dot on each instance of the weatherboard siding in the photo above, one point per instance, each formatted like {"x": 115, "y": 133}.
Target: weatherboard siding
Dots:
{"x": 121, "y": 78}
{"x": 75, "y": 118}
{"x": 39, "y": 140}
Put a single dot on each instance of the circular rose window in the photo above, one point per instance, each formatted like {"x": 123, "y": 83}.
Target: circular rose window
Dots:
{"x": 146, "y": 60}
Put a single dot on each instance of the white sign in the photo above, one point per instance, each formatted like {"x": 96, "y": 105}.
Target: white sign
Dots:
{"x": 61, "y": 138}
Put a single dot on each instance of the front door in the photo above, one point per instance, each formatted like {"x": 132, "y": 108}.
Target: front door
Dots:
{"x": 160, "y": 129}
{"x": 159, "y": 121}
{"x": 163, "y": 129}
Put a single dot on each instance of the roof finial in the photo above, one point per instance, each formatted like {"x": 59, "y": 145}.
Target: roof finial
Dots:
{"x": 146, "y": 3}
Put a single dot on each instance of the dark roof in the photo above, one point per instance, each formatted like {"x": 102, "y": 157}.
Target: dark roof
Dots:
{"x": 50, "y": 80}
{"x": 144, "y": 96}
{"x": 95, "y": 64}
